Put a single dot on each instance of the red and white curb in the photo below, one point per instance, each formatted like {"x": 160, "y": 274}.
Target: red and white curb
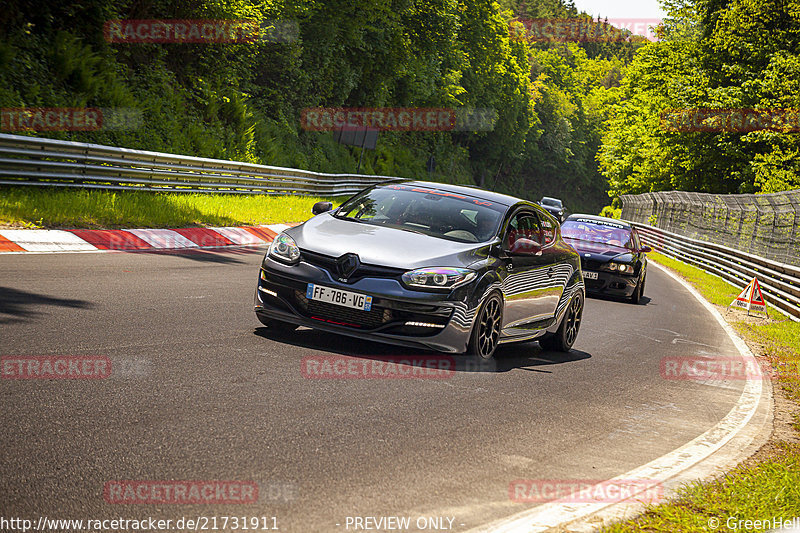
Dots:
{"x": 92, "y": 240}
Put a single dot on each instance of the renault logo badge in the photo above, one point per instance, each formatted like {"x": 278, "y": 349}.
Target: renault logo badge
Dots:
{"x": 346, "y": 265}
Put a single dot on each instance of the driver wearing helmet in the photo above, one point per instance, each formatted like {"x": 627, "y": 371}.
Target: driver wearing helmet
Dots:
{"x": 485, "y": 224}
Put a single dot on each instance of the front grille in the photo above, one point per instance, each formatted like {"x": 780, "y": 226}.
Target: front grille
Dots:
{"x": 591, "y": 264}
{"x": 328, "y": 264}
{"x": 343, "y": 316}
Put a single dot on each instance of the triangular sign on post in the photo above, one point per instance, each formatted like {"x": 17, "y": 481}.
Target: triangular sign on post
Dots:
{"x": 751, "y": 298}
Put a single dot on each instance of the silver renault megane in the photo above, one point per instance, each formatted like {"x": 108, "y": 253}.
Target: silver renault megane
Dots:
{"x": 426, "y": 265}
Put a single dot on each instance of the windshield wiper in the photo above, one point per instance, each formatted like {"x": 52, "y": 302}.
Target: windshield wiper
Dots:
{"x": 404, "y": 228}
{"x": 401, "y": 227}
{"x": 353, "y": 219}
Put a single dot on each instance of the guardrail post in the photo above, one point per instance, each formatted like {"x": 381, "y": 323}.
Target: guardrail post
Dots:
{"x": 793, "y": 239}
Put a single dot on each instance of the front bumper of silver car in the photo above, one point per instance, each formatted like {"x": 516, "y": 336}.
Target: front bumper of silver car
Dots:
{"x": 419, "y": 319}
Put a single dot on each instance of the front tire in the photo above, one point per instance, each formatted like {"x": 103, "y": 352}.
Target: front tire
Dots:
{"x": 564, "y": 337}
{"x": 638, "y": 292}
{"x": 486, "y": 333}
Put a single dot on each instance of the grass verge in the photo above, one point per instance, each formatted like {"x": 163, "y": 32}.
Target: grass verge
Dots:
{"x": 35, "y": 207}
{"x": 768, "y": 485}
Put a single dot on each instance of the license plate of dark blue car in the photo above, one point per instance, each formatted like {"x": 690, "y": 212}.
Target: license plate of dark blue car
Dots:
{"x": 330, "y": 295}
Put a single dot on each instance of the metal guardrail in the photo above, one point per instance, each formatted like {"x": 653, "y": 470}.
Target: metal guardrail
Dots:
{"x": 51, "y": 162}
{"x": 767, "y": 225}
{"x": 780, "y": 282}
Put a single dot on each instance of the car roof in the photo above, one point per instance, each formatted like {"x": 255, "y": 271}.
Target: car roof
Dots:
{"x": 597, "y": 218}
{"x": 465, "y": 190}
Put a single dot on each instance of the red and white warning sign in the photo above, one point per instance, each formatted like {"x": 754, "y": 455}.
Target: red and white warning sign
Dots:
{"x": 750, "y": 298}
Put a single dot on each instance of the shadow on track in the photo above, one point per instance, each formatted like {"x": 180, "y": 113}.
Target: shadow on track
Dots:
{"x": 528, "y": 356}
{"x": 18, "y": 305}
{"x": 524, "y": 355}
{"x": 222, "y": 255}
{"x": 606, "y": 298}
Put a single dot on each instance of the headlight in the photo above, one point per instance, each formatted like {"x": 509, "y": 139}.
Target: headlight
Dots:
{"x": 438, "y": 277}
{"x": 284, "y": 249}
{"x": 625, "y": 269}
{"x": 560, "y": 213}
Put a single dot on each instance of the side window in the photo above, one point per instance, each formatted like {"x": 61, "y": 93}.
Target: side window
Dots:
{"x": 524, "y": 225}
{"x": 548, "y": 230}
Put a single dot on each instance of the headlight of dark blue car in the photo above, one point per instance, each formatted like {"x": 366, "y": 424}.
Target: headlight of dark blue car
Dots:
{"x": 620, "y": 267}
{"x": 437, "y": 277}
{"x": 284, "y": 249}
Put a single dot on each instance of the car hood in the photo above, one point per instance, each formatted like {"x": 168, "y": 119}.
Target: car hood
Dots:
{"x": 600, "y": 252}
{"x": 376, "y": 245}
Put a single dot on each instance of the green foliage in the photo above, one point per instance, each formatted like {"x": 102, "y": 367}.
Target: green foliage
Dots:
{"x": 57, "y": 207}
{"x": 574, "y": 94}
{"x": 610, "y": 212}
{"x": 243, "y": 101}
{"x": 721, "y": 55}
{"x": 574, "y": 120}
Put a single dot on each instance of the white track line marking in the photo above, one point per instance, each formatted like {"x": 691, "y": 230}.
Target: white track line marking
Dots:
{"x": 560, "y": 513}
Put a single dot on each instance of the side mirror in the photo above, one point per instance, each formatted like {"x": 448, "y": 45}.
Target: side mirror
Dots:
{"x": 645, "y": 249}
{"x": 321, "y": 207}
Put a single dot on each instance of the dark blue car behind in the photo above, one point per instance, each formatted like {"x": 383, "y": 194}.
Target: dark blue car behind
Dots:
{"x": 613, "y": 259}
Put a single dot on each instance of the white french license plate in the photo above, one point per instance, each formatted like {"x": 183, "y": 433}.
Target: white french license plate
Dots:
{"x": 353, "y": 300}
{"x": 589, "y": 275}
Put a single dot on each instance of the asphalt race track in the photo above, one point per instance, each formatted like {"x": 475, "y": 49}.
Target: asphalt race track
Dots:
{"x": 200, "y": 391}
